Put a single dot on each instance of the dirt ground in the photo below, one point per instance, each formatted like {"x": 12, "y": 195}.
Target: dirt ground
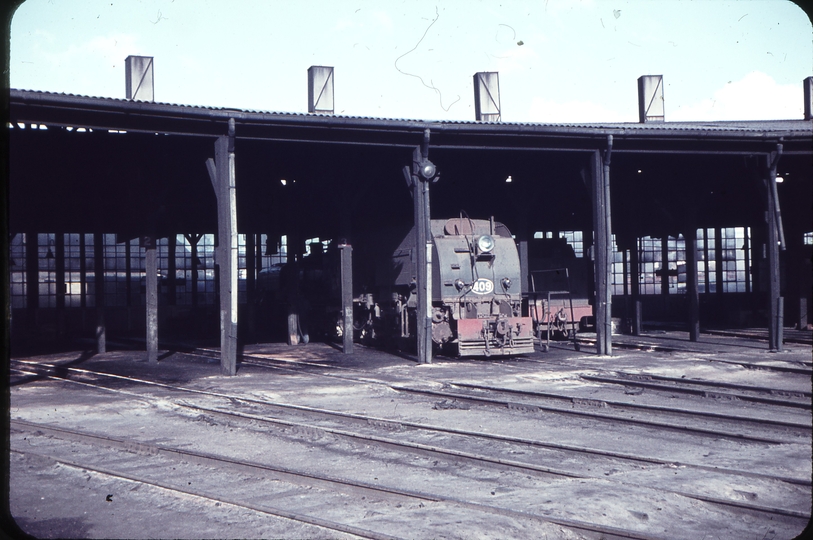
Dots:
{"x": 51, "y": 499}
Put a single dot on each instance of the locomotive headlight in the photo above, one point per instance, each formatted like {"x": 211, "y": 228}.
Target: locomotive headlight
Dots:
{"x": 506, "y": 283}
{"x": 459, "y": 284}
{"x": 485, "y": 243}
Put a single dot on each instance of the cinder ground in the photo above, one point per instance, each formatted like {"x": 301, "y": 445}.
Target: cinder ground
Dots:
{"x": 53, "y": 500}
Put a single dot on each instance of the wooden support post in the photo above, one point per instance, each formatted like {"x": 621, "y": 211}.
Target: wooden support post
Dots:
{"x": 59, "y": 266}
{"x": 603, "y": 249}
{"x": 635, "y": 283}
{"x": 608, "y": 268}
{"x": 128, "y": 276}
{"x": 691, "y": 283}
{"x": 665, "y": 266}
{"x": 423, "y": 249}
{"x": 171, "y": 270}
{"x": 290, "y": 282}
{"x": 346, "y": 255}
{"x": 222, "y": 175}
{"x": 32, "y": 280}
{"x": 82, "y": 276}
{"x": 151, "y": 269}
{"x": 718, "y": 257}
{"x": 599, "y": 253}
{"x": 250, "y": 284}
{"x": 780, "y": 322}
{"x": 193, "y": 253}
{"x": 98, "y": 276}
{"x": 775, "y": 301}
{"x": 32, "y": 274}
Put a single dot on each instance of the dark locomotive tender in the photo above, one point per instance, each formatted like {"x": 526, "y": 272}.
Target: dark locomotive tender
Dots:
{"x": 476, "y": 291}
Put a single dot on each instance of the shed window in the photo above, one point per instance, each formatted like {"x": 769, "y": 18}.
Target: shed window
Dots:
{"x": 17, "y": 267}
{"x": 46, "y": 266}
{"x": 650, "y": 256}
{"x": 735, "y": 247}
{"x": 574, "y": 238}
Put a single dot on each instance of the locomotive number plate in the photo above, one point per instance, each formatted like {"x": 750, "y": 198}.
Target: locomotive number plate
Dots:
{"x": 483, "y": 286}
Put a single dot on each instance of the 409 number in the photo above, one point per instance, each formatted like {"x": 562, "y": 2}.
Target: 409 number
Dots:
{"x": 482, "y": 286}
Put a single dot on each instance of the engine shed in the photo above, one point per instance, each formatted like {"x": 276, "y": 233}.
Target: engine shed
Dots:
{"x": 138, "y": 219}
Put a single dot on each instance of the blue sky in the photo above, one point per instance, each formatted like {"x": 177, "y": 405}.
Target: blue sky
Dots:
{"x": 558, "y": 60}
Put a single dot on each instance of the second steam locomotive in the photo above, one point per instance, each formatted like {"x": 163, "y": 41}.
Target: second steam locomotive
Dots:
{"x": 476, "y": 291}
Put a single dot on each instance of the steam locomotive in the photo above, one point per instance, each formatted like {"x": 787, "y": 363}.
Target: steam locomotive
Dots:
{"x": 476, "y": 291}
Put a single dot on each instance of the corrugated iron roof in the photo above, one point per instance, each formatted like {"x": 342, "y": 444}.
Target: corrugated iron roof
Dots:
{"x": 799, "y": 126}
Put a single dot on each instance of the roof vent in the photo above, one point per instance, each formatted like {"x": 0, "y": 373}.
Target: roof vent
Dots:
{"x": 650, "y": 98}
{"x": 808, "y": 88}
{"x": 138, "y": 78}
{"x": 320, "y": 89}
{"x": 487, "y": 96}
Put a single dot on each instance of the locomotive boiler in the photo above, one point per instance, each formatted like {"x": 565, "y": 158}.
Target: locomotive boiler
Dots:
{"x": 476, "y": 291}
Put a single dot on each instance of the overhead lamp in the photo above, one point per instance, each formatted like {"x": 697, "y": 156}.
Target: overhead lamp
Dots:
{"x": 779, "y": 179}
{"x": 509, "y": 179}
{"x": 283, "y": 181}
{"x": 428, "y": 169}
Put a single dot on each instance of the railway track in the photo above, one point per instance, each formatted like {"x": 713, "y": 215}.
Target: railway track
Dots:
{"x": 802, "y": 428}
{"x": 132, "y": 469}
{"x": 779, "y": 427}
{"x": 601, "y": 460}
{"x": 795, "y": 428}
{"x": 656, "y": 343}
{"x": 174, "y": 456}
{"x": 718, "y": 384}
{"x": 665, "y": 384}
{"x": 711, "y": 431}
{"x": 715, "y": 431}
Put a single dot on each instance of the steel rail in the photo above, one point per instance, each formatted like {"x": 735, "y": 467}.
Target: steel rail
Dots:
{"x": 637, "y": 406}
{"x": 766, "y": 367}
{"x": 697, "y": 392}
{"x": 721, "y": 384}
{"x": 602, "y": 417}
{"x": 480, "y": 459}
{"x": 642, "y": 346}
{"x": 264, "y": 509}
{"x": 434, "y": 451}
{"x": 477, "y": 459}
{"x": 755, "y": 336}
{"x": 371, "y": 420}
{"x": 300, "y": 477}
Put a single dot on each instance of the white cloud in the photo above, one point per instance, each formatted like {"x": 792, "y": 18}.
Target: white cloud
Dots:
{"x": 382, "y": 20}
{"x": 516, "y": 58}
{"x": 112, "y": 48}
{"x": 756, "y": 96}
{"x": 545, "y": 110}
